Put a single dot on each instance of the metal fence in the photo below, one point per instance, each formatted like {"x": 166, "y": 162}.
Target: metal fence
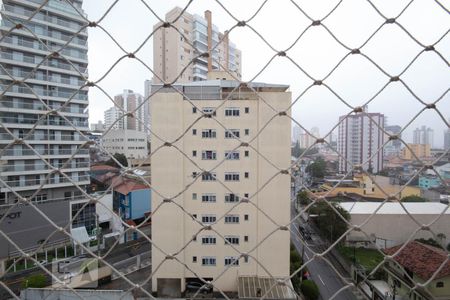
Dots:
{"x": 427, "y": 103}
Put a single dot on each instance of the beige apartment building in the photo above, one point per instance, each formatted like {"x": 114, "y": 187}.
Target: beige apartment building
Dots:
{"x": 213, "y": 179}
{"x": 420, "y": 150}
{"x": 172, "y": 52}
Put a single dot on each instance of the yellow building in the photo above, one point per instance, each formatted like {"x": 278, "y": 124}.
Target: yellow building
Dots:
{"x": 420, "y": 150}
{"x": 215, "y": 198}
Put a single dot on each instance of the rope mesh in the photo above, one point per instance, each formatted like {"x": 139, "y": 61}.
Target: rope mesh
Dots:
{"x": 427, "y": 102}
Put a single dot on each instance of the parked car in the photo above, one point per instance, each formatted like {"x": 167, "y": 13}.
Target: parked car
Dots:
{"x": 195, "y": 286}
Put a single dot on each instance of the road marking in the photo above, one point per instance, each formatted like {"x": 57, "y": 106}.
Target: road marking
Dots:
{"x": 320, "y": 278}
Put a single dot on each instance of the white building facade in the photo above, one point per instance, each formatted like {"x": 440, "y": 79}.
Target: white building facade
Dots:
{"x": 131, "y": 143}
{"x": 219, "y": 198}
{"x": 423, "y": 135}
{"x": 360, "y": 141}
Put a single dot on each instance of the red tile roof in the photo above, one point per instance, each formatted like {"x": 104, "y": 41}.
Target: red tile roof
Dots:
{"x": 103, "y": 168}
{"x": 125, "y": 185}
{"x": 421, "y": 259}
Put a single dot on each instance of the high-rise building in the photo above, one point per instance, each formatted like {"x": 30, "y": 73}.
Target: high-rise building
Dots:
{"x": 172, "y": 52}
{"x": 131, "y": 102}
{"x": 447, "y": 138}
{"x": 48, "y": 52}
{"x": 392, "y": 148}
{"x": 423, "y": 135}
{"x": 296, "y": 133}
{"x": 218, "y": 198}
{"x": 360, "y": 141}
{"x": 420, "y": 150}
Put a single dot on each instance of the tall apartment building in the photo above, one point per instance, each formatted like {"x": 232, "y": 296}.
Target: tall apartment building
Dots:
{"x": 53, "y": 76}
{"x": 423, "y": 135}
{"x": 296, "y": 134}
{"x": 360, "y": 141}
{"x": 447, "y": 138}
{"x": 215, "y": 197}
{"x": 172, "y": 52}
{"x": 392, "y": 148}
{"x": 129, "y": 101}
{"x": 420, "y": 150}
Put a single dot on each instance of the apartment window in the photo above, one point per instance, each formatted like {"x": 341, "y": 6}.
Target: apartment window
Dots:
{"x": 246, "y": 153}
{"x": 208, "y": 134}
{"x": 209, "y": 155}
{"x": 209, "y": 176}
{"x": 245, "y": 238}
{"x": 247, "y": 131}
{"x": 232, "y": 112}
{"x": 194, "y": 216}
{"x": 208, "y": 240}
{"x": 209, "y": 198}
{"x": 209, "y": 110}
{"x": 194, "y": 153}
{"x": 232, "y": 155}
{"x": 231, "y": 198}
{"x": 194, "y": 196}
{"x": 245, "y": 217}
{"x": 246, "y": 175}
{"x": 440, "y": 284}
{"x": 231, "y": 240}
{"x": 194, "y": 259}
{"x": 231, "y": 219}
{"x": 194, "y": 131}
{"x": 230, "y": 176}
{"x": 231, "y": 260}
{"x": 246, "y": 195}
{"x": 247, "y": 110}
{"x": 194, "y": 174}
{"x": 208, "y": 219}
{"x": 246, "y": 259}
{"x": 194, "y": 110}
{"x": 232, "y": 133}
{"x": 208, "y": 261}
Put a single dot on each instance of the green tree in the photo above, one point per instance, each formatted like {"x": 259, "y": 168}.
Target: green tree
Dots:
{"x": 413, "y": 198}
{"x": 34, "y": 281}
{"x": 302, "y": 198}
{"x": 310, "y": 290}
{"x": 317, "y": 168}
{"x": 330, "y": 224}
{"x": 430, "y": 241}
{"x": 296, "y": 151}
{"x": 121, "y": 158}
{"x": 296, "y": 263}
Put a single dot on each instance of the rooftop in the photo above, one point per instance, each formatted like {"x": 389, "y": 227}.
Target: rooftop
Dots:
{"x": 395, "y": 208}
{"x": 423, "y": 260}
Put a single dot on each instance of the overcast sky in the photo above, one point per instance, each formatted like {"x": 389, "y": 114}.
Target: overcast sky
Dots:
{"x": 356, "y": 80}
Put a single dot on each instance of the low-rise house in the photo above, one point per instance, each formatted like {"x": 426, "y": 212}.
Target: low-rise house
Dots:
{"x": 418, "y": 263}
{"x": 429, "y": 181}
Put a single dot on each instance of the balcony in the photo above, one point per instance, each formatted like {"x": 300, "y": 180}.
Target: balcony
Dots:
{"x": 37, "y": 105}
{"x": 37, "y": 182}
{"x": 43, "y": 137}
{"x": 42, "y": 167}
{"x": 41, "y": 92}
{"x": 28, "y": 152}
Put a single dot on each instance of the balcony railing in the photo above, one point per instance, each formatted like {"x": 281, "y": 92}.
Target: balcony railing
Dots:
{"x": 29, "y": 152}
{"x": 39, "y": 106}
{"x": 41, "y": 167}
{"x": 51, "y": 180}
{"x": 43, "y": 122}
{"x": 40, "y": 92}
{"x": 45, "y": 137}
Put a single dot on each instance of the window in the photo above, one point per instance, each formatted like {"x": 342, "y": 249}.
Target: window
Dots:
{"x": 246, "y": 175}
{"x": 194, "y": 110}
{"x": 232, "y": 260}
{"x": 208, "y": 134}
{"x": 209, "y": 198}
{"x": 209, "y": 176}
{"x": 231, "y": 198}
{"x": 209, "y": 155}
{"x": 246, "y": 217}
{"x": 194, "y": 196}
{"x": 194, "y": 174}
{"x": 231, "y": 176}
{"x": 209, "y": 110}
{"x": 231, "y": 240}
{"x": 194, "y": 259}
{"x": 208, "y": 240}
{"x": 246, "y": 153}
{"x": 232, "y": 112}
{"x": 232, "y": 155}
{"x": 245, "y": 238}
{"x": 232, "y": 133}
{"x": 208, "y": 261}
{"x": 231, "y": 219}
{"x": 246, "y": 131}
{"x": 246, "y": 259}
{"x": 194, "y": 131}
{"x": 194, "y": 216}
{"x": 246, "y": 195}
{"x": 194, "y": 153}
{"x": 208, "y": 219}
{"x": 440, "y": 284}
{"x": 247, "y": 110}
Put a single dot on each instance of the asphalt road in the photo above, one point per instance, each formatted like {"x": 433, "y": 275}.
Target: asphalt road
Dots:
{"x": 321, "y": 272}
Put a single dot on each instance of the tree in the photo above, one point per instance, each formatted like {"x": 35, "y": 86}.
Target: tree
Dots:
{"x": 430, "y": 241}
{"x": 296, "y": 263}
{"x": 330, "y": 224}
{"x": 296, "y": 151}
{"x": 310, "y": 290}
{"x": 302, "y": 198}
{"x": 121, "y": 158}
{"x": 34, "y": 281}
{"x": 317, "y": 168}
{"x": 413, "y": 198}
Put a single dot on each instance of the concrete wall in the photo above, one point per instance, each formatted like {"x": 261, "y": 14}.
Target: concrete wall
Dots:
{"x": 26, "y": 227}
{"x": 140, "y": 203}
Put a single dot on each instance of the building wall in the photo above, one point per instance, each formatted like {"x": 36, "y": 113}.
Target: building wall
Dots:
{"x": 141, "y": 201}
{"x": 398, "y": 228}
{"x": 420, "y": 150}
{"x": 426, "y": 182}
{"x": 131, "y": 143}
{"x": 172, "y": 228}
